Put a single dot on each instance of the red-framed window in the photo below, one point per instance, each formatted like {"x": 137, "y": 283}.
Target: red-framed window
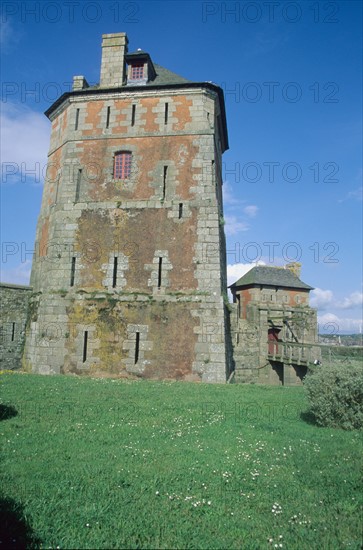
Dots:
{"x": 137, "y": 71}
{"x": 122, "y": 165}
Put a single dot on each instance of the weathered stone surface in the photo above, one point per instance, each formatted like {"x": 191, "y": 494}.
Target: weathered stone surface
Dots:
{"x": 129, "y": 274}
{"x": 14, "y": 300}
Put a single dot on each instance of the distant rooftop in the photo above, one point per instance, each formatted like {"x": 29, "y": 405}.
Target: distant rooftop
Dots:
{"x": 271, "y": 276}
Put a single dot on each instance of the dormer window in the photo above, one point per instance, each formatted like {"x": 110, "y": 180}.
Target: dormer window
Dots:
{"x": 140, "y": 69}
{"x": 137, "y": 71}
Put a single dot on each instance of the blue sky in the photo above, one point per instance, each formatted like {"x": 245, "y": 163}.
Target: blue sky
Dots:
{"x": 291, "y": 72}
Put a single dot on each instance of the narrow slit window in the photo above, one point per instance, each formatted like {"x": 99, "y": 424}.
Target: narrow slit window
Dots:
{"x": 78, "y": 184}
{"x": 85, "y": 343}
{"x": 122, "y": 165}
{"x": 133, "y": 114}
{"x": 180, "y": 210}
{"x": 137, "y": 347}
{"x": 165, "y": 175}
{"x": 73, "y": 271}
{"x": 166, "y": 113}
{"x": 13, "y": 332}
{"x": 108, "y": 117}
{"x": 56, "y": 192}
{"x": 114, "y": 276}
{"x": 160, "y": 271}
{"x": 77, "y": 120}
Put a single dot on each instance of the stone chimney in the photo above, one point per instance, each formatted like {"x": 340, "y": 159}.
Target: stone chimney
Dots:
{"x": 114, "y": 48}
{"x": 79, "y": 83}
{"x": 295, "y": 267}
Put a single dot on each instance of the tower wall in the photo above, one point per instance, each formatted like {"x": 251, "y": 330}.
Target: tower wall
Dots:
{"x": 129, "y": 275}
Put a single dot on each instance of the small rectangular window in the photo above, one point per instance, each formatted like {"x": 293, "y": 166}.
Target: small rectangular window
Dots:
{"x": 137, "y": 71}
{"x": 56, "y": 192}
{"x": 13, "y": 332}
{"x": 77, "y": 120}
{"x": 137, "y": 347}
{"x": 114, "y": 276}
{"x": 165, "y": 175}
{"x": 160, "y": 271}
{"x": 180, "y": 210}
{"x": 166, "y": 113}
{"x": 122, "y": 165}
{"x": 133, "y": 113}
{"x": 108, "y": 117}
{"x": 78, "y": 184}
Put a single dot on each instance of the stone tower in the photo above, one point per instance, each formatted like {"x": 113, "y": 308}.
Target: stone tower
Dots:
{"x": 129, "y": 274}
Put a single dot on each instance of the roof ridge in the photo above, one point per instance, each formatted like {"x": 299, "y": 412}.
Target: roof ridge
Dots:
{"x": 262, "y": 275}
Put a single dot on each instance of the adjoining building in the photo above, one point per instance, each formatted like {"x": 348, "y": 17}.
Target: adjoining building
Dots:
{"x": 275, "y": 330}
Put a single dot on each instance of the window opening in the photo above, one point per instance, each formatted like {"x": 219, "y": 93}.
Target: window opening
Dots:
{"x": 77, "y": 120}
{"x": 114, "y": 277}
{"x": 160, "y": 270}
{"x": 122, "y": 165}
{"x": 73, "y": 271}
{"x": 85, "y": 342}
{"x": 78, "y": 184}
{"x": 137, "y": 71}
{"x": 164, "y": 180}
{"x": 137, "y": 347}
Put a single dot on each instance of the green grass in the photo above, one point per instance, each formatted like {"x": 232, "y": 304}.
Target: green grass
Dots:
{"x": 106, "y": 463}
{"x": 342, "y": 355}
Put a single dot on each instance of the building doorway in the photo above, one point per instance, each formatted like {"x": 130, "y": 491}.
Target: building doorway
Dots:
{"x": 273, "y": 339}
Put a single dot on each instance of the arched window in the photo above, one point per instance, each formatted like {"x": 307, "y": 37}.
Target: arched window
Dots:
{"x": 122, "y": 165}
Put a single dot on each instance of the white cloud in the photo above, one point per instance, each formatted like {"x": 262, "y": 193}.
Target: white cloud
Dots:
{"x": 251, "y": 210}
{"x": 333, "y": 324}
{"x": 353, "y": 300}
{"x": 320, "y": 298}
{"x": 24, "y": 143}
{"x": 234, "y": 225}
{"x": 19, "y": 275}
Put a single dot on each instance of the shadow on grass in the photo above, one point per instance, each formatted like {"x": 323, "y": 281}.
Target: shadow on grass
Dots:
{"x": 309, "y": 418}
{"x": 15, "y": 531}
{"x": 7, "y": 411}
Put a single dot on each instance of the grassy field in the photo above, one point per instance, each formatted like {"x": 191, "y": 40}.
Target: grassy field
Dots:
{"x": 342, "y": 355}
{"x": 101, "y": 463}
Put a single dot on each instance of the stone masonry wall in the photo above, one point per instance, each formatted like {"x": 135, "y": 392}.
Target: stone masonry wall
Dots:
{"x": 14, "y": 300}
{"x": 129, "y": 275}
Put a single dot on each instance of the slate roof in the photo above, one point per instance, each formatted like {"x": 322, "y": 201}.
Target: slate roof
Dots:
{"x": 271, "y": 276}
{"x": 164, "y": 76}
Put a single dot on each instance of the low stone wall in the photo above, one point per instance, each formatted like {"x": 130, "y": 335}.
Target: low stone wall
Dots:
{"x": 14, "y": 301}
